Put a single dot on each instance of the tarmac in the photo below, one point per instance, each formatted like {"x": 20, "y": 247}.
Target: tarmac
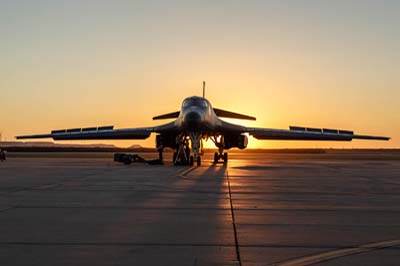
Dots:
{"x": 260, "y": 209}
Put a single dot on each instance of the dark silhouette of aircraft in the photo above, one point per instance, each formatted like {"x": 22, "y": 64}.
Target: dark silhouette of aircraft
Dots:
{"x": 198, "y": 120}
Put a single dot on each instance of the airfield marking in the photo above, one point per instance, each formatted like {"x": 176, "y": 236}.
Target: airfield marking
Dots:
{"x": 233, "y": 222}
{"x": 335, "y": 254}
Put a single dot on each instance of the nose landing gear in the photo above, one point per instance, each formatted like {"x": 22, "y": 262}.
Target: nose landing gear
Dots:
{"x": 182, "y": 154}
{"x": 195, "y": 139}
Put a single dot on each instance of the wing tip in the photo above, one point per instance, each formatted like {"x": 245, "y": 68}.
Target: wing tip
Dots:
{"x": 43, "y": 136}
{"x": 367, "y": 137}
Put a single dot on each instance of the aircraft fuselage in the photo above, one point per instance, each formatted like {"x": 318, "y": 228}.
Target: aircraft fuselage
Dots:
{"x": 196, "y": 115}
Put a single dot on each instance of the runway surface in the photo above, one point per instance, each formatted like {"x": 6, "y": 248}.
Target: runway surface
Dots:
{"x": 262, "y": 209}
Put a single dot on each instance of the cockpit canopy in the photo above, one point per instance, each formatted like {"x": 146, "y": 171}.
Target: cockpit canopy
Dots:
{"x": 195, "y": 101}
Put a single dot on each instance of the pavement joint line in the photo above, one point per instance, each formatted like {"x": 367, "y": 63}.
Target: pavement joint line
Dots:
{"x": 335, "y": 254}
{"x": 36, "y": 243}
{"x": 51, "y": 185}
{"x": 177, "y": 208}
{"x": 46, "y": 186}
{"x": 8, "y": 208}
{"x": 130, "y": 190}
{"x": 186, "y": 171}
{"x": 18, "y": 243}
{"x": 305, "y": 246}
{"x": 315, "y": 225}
{"x": 319, "y": 209}
{"x": 121, "y": 207}
{"x": 233, "y": 221}
{"x": 16, "y": 190}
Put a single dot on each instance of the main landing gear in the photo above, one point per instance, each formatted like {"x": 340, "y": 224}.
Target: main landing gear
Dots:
{"x": 220, "y": 155}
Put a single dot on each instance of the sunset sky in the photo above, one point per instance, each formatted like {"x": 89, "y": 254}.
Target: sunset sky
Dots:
{"x": 333, "y": 64}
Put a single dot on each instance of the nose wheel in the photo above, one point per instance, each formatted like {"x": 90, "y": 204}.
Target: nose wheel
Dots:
{"x": 191, "y": 160}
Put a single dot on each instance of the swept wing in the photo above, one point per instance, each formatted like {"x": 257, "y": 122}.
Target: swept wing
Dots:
{"x": 104, "y": 132}
{"x": 307, "y": 133}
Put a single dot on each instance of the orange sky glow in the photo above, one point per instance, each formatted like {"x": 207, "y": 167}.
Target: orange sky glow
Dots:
{"x": 307, "y": 64}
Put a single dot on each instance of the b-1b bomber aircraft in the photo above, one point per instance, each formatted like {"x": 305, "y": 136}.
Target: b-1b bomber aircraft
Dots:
{"x": 196, "y": 121}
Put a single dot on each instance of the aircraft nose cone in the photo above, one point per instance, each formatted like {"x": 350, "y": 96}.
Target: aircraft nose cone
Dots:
{"x": 192, "y": 118}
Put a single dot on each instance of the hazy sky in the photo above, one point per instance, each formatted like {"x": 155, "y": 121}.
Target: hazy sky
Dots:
{"x": 81, "y": 63}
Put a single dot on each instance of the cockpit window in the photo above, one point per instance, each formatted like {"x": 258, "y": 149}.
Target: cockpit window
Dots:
{"x": 195, "y": 102}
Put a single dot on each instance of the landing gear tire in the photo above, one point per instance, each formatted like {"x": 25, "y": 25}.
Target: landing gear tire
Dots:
{"x": 225, "y": 157}
{"x": 198, "y": 160}
{"x": 187, "y": 152}
{"x": 191, "y": 160}
{"x": 216, "y": 157}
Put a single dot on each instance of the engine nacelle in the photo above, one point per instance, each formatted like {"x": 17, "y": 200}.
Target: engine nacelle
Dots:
{"x": 166, "y": 141}
{"x": 235, "y": 141}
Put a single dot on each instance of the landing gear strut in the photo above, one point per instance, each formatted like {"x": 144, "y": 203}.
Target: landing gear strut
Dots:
{"x": 182, "y": 154}
{"x": 220, "y": 155}
{"x": 195, "y": 139}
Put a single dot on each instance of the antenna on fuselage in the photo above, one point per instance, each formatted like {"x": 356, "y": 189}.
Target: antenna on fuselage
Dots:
{"x": 204, "y": 89}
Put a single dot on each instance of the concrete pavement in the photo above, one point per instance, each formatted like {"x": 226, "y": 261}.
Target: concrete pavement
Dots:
{"x": 280, "y": 209}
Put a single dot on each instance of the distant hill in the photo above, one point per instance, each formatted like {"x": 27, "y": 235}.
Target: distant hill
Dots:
{"x": 52, "y": 144}
{"x": 19, "y": 146}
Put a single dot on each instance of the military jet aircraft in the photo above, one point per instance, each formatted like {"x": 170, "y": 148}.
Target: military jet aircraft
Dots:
{"x": 197, "y": 121}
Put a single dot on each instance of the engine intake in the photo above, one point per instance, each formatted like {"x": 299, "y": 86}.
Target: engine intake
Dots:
{"x": 166, "y": 141}
{"x": 235, "y": 141}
